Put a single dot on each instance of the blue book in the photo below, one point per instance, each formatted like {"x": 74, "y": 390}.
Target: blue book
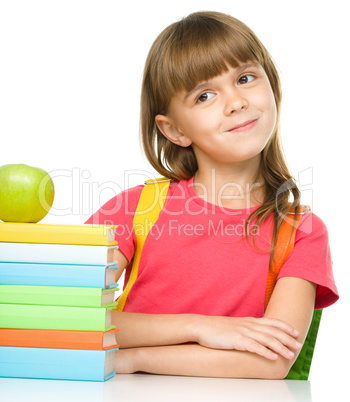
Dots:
{"x": 57, "y": 364}
{"x": 90, "y": 276}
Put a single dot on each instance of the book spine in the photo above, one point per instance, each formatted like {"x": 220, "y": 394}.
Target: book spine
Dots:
{"x": 62, "y": 364}
{"x": 57, "y": 234}
{"x": 54, "y": 339}
{"x": 55, "y": 295}
{"x": 94, "y": 276}
{"x": 53, "y": 317}
{"x": 57, "y": 253}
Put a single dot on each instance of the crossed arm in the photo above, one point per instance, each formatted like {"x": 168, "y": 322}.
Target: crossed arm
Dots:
{"x": 207, "y": 346}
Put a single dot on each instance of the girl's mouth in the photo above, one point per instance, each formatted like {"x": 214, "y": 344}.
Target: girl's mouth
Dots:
{"x": 244, "y": 126}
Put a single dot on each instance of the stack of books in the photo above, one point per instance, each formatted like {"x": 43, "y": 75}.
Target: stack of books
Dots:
{"x": 57, "y": 285}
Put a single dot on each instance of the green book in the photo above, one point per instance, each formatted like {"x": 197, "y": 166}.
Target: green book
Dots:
{"x": 57, "y": 296}
{"x": 55, "y": 317}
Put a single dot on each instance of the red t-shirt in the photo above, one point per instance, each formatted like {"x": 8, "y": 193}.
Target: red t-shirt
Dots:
{"x": 195, "y": 259}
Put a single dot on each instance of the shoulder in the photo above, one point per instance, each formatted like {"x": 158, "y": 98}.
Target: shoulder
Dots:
{"x": 311, "y": 237}
{"x": 128, "y": 198}
{"x": 311, "y": 259}
{"x": 122, "y": 204}
{"x": 311, "y": 226}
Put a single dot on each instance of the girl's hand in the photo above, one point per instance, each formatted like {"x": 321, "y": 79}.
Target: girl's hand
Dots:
{"x": 267, "y": 337}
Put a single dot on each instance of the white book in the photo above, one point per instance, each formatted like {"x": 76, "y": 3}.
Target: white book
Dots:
{"x": 57, "y": 253}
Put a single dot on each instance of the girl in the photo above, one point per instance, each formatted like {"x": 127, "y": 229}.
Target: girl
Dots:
{"x": 210, "y": 108}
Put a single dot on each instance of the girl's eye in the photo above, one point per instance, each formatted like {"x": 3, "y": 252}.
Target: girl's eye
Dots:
{"x": 245, "y": 79}
{"x": 204, "y": 97}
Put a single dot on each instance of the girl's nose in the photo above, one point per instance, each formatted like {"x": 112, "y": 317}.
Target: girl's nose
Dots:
{"x": 235, "y": 102}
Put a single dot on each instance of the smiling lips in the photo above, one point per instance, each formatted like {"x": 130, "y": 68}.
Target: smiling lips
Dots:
{"x": 244, "y": 126}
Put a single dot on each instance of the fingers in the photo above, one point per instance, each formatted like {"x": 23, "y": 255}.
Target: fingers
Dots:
{"x": 275, "y": 323}
{"x": 281, "y": 344}
{"x": 253, "y": 346}
{"x": 268, "y": 337}
{"x": 266, "y": 347}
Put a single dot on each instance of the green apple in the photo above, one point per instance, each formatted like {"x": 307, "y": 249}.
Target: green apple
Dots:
{"x": 26, "y": 193}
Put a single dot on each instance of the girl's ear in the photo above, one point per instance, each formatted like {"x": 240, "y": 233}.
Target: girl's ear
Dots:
{"x": 171, "y": 132}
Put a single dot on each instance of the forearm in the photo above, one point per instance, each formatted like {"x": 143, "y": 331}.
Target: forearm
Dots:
{"x": 234, "y": 347}
{"x": 137, "y": 330}
{"x": 266, "y": 337}
{"x": 199, "y": 361}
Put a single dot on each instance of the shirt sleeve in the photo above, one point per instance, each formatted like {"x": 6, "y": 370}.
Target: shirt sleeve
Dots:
{"x": 120, "y": 211}
{"x": 311, "y": 259}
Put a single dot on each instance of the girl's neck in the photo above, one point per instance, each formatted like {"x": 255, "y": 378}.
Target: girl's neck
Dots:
{"x": 230, "y": 188}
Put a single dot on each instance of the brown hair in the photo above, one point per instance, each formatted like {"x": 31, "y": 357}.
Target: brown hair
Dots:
{"x": 193, "y": 50}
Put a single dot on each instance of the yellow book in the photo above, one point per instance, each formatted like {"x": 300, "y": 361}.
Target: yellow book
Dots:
{"x": 97, "y": 235}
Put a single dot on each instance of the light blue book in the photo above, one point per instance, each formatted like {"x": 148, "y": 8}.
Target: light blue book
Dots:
{"x": 57, "y": 364}
{"x": 57, "y": 253}
{"x": 93, "y": 276}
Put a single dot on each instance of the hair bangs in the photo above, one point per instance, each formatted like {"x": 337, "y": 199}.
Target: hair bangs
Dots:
{"x": 199, "y": 50}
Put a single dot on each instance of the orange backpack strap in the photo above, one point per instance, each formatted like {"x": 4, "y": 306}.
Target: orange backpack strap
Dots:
{"x": 284, "y": 245}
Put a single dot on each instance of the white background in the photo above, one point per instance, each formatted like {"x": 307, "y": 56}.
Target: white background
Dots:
{"x": 70, "y": 76}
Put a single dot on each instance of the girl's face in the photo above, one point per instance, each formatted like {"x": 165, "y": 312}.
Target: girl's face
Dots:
{"x": 227, "y": 119}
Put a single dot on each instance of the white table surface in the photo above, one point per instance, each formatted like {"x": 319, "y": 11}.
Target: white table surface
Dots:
{"x": 144, "y": 388}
